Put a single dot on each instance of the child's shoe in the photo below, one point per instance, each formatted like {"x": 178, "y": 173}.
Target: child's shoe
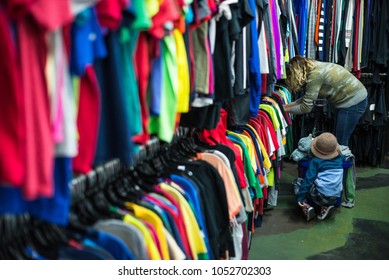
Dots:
{"x": 324, "y": 212}
{"x": 348, "y": 204}
{"x": 309, "y": 212}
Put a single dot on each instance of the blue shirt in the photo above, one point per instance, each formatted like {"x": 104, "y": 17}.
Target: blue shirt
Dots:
{"x": 54, "y": 209}
{"x": 114, "y": 245}
{"x": 193, "y": 193}
{"x": 87, "y": 42}
{"x": 254, "y": 65}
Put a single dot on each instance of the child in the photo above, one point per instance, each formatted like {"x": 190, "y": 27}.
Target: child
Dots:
{"x": 322, "y": 185}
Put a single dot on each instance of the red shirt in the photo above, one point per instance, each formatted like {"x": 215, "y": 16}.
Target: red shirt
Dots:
{"x": 262, "y": 133}
{"x": 218, "y": 135}
{"x": 168, "y": 11}
{"x": 109, "y": 12}
{"x": 87, "y": 121}
{"x": 142, "y": 63}
{"x": 264, "y": 119}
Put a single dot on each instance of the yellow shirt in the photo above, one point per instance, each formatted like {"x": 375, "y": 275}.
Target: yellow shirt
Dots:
{"x": 250, "y": 147}
{"x": 266, "y": 160}
{"x": 149, "y": 216}
{"x": 152, "y": 6}
{"x": 276, "y": 113}
{"x": 272, "y": 113}
{"x": 183, "y": 92}
{"x": 151, "y": 246}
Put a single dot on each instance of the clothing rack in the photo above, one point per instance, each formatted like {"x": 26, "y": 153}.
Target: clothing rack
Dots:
{"x": 101, "y": 173}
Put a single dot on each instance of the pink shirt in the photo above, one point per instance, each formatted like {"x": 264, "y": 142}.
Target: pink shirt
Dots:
{"x": 12, "y": 124}
{"x": 43, "y": 15}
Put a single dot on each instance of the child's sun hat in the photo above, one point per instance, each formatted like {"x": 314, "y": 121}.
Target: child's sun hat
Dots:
{"x": 325, "y": 146}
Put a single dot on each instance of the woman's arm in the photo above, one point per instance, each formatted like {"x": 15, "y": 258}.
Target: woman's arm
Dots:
{"x": 292, "y": 104}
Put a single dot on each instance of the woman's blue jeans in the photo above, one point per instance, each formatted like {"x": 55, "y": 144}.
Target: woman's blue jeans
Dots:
{"x": 346, "y": 121}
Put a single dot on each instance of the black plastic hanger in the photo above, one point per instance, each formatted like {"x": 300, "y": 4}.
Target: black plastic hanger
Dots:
{"x": 127, "y": 190}
{"x": 143, "y": 176}
{"x": 189, "y": 146}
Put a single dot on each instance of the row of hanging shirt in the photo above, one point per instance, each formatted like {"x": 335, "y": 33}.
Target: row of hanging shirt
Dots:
{"x": 347, "y": 32}
{"x": 259, "y": 147}
{"x": 206, "y": 177}
{"x": 192, "y": 200}
{"x": 190, "y": 203}
{"x": 181, "y": 204}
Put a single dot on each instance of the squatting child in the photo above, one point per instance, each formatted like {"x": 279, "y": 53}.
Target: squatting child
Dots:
{"x": 322, "y": 185}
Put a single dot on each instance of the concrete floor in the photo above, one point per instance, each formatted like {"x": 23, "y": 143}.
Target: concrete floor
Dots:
{"x": 360, "y": 233}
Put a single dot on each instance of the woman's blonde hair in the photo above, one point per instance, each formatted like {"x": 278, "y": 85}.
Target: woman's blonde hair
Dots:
{"x": 297, "y": 72}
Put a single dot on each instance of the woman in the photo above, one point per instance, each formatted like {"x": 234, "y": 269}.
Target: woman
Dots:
{"x": 330, "y": 81}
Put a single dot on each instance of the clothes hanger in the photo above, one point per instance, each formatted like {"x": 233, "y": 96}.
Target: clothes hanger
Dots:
{"x": 20, "y": 225}
{"x": 126, "y": 190}
{"x": 142, "y": 179}
{"x": 93, "y": 208}
{"x": 86, "y": 212}
{"x": 22, "y": 238}
{"x": 46, "y": 239}
{"x": 113, "y": 195}
{"x": 56, "y": 233}
{"x": 76, "y": 230}
{"x": 84, "y": 208}
{"x": 176, "y": 157}
{"x": 14, "y": 243}
{"x": 187, "y": 139}
{"x": 103, "y": 206}
{"x": 11, "y": 253}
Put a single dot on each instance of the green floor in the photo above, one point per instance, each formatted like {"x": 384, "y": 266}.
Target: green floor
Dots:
{"x": 358, "y": 233}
